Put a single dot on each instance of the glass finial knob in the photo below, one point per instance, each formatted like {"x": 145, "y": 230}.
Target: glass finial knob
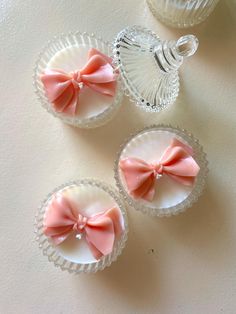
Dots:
{"x": 187, "y": 45}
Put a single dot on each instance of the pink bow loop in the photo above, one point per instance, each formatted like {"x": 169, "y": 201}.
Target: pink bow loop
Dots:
{"x": 176, "y": 162}
{"x": 62, "y": 89}
{"x": 100, "y": 230}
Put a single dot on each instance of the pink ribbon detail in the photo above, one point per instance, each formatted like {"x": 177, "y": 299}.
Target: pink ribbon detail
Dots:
{"x": 99, "y": 230}
{"x": 62, "y": 89}
{"x": 176, "y": 162}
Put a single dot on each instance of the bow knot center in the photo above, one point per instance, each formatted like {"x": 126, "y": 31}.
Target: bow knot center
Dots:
{"x": 158, "y": 170}
{"x": 76, "y": 79}
{"x": 80, "y": 224}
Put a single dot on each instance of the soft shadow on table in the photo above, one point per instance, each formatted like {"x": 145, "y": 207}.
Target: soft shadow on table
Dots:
{"x": 214, "y": 128}
{"x": 136, "y": 273}
{"x": 202, "y": 228}
{"x": 106, "y": 140}
{"x": 137, "y": 276}
{"x": 216, "y": 43}
{"x": 219, "y": 25}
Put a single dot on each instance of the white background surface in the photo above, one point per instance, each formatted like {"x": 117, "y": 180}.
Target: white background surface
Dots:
{"x": 179, "y": 265}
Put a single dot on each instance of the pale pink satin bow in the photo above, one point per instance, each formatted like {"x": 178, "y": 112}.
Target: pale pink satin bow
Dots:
{"x": 62, "y": 89}
{"x": 176, "y": 162}
{"x": 100, "y": 230}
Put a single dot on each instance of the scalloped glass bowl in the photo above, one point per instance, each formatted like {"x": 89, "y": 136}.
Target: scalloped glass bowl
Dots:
{"x": 69, "y": 51}
{"x": 182, "y": 13}
{"x": 171, "y": 197}
{"x": 60, "y": 256}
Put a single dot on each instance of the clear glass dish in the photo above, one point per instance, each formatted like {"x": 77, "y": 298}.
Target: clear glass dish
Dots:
{"x": 71, "y": 45}
{"x": 59, "y": 255}
{"x": 149, "y": 66}
{"x": 182, "y": 13}
{"x": 171, "y": 197}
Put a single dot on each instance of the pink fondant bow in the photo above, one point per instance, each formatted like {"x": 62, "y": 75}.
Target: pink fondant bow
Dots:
{"x": 100, "y": 230}
{"x": 176, "y": 162}
{"x": 62, "y": 89}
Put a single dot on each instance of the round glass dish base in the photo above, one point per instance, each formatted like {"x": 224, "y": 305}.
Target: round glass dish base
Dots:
{"x": 146, "y": 85}
{"x": 170, "y": 197}
{"x": 69, "y": 53}
{"x": 181, "y": 13}
{"x": 73, "y": 255}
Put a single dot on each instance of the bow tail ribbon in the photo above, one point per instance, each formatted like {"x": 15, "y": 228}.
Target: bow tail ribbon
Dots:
{"x": 60, "y": 90}
{"x": 100, "y": 236}
{"x": 179, "y": 164}
{"x": 139, "y": 177}
{"x": 98, "y": 73}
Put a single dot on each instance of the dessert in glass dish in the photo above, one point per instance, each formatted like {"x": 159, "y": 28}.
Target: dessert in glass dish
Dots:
{"x": 75, "y": 80}
{"x": 82, "y": 226}
{"x": 161, "y": 170}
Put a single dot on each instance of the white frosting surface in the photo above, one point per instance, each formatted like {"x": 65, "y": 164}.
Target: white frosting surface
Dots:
{"x": 74, "y": 58}
{"x": 150, "y": 146}
{"x": 89, "y": 200}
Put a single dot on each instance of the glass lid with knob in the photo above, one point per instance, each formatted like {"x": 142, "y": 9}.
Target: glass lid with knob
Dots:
{"x": 149, "y": 65}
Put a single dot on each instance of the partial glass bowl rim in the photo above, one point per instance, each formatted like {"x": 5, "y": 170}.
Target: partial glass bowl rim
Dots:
{"x": 91, "y": 122}
{"x": 51, "y": 252}
{"x": 197, "y": 189}
{"x": 179, "y": 24}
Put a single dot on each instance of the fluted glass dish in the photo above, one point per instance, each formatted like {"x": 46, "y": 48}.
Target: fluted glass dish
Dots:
{"x": 59, "y": 256}
{"x": 68, "y": 51}
{"x": 182, "y": 13}
{"x": 149, "y": 66}
{"x": 170, "y": 198}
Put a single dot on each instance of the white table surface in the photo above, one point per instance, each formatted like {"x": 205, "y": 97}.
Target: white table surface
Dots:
{"x": 180, "y": 265}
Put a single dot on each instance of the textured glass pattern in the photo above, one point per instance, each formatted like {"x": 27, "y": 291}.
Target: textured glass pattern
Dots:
{"x": 52, "y": 253}
{"x": 149, "y": 66}
{"x": 199, "y": 184}
{"x": 182, "y": 13}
